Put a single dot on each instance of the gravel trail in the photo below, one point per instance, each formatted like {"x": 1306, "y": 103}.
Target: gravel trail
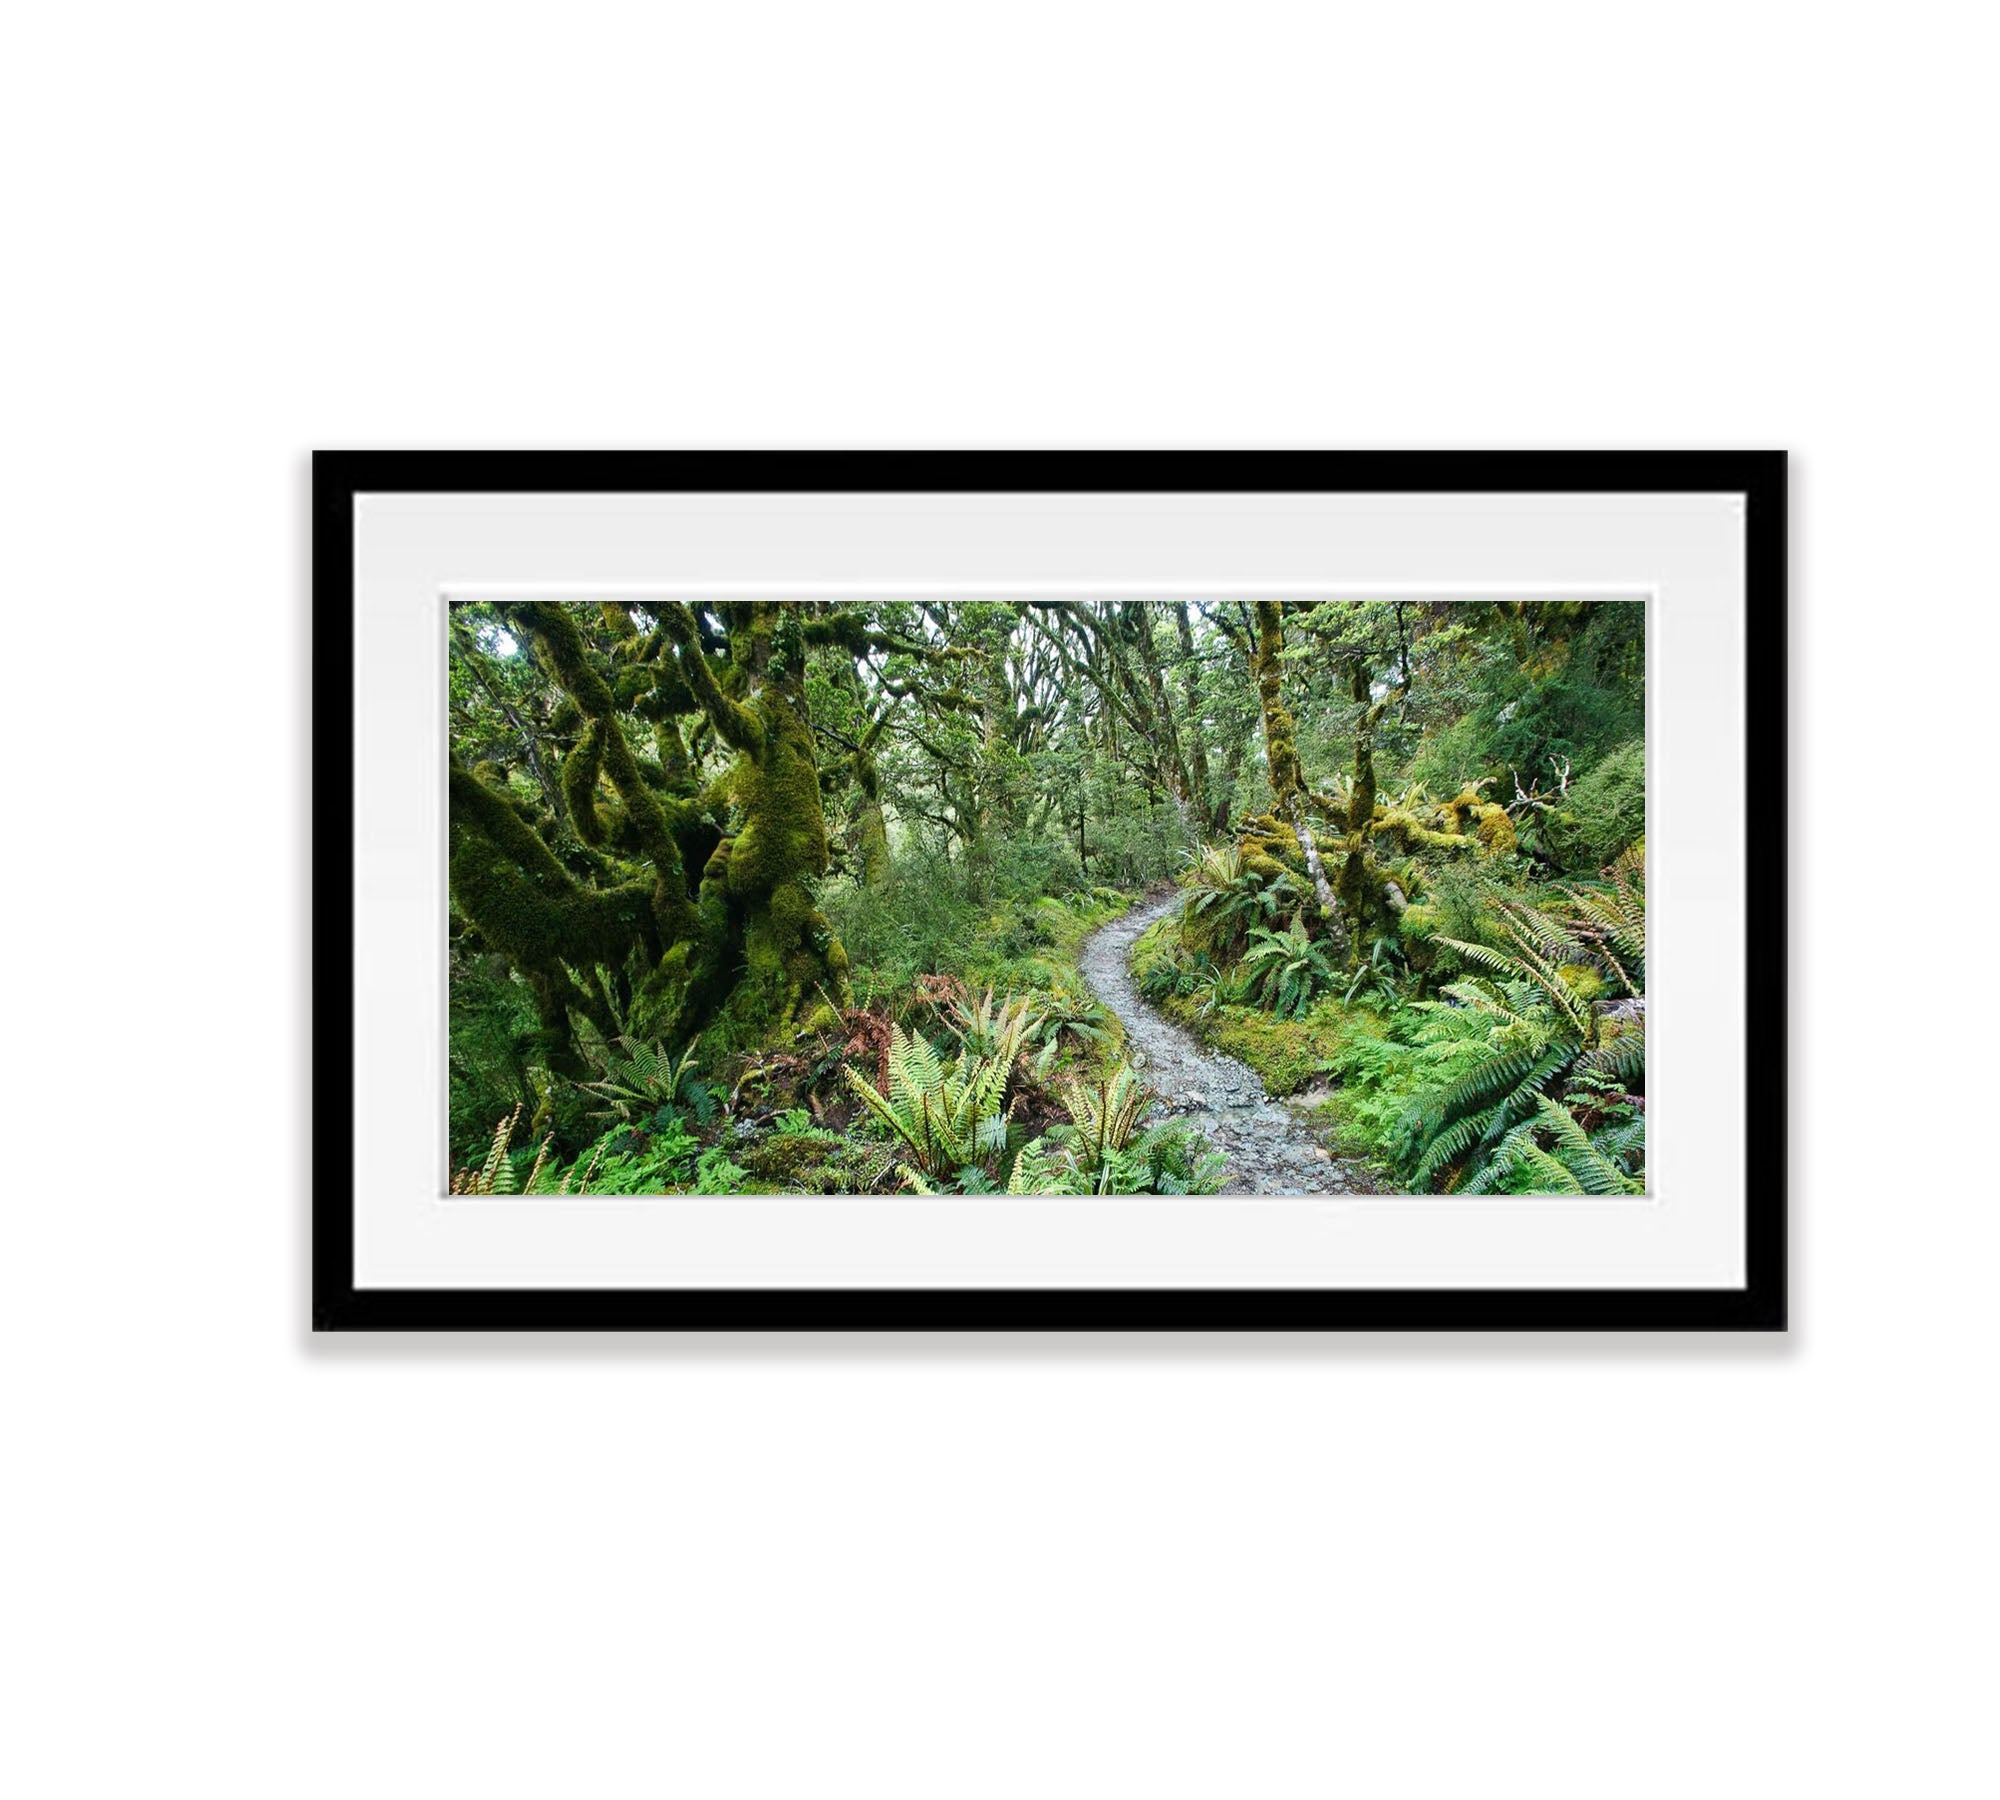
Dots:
{"x": 1271, "y": 1150}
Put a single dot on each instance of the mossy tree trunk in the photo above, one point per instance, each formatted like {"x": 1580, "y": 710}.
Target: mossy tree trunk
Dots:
{"x": 756, "y": 883}
{"x": 1172, "y": 759}
{"x": 1197, "y": 759}
{"x": 1363, "y": 894}
{"x": 871, "y": 826}
{"x": 683, "y": 907}
{"x": 1281, "y": 750}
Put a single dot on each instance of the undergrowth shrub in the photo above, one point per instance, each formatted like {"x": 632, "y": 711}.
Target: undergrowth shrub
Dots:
{"x": 1563, "y": 1005}
{"x": 1607, "y": 807}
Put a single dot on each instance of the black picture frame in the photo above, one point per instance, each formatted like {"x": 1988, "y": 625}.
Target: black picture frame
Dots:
{"x": 338, "y": 477}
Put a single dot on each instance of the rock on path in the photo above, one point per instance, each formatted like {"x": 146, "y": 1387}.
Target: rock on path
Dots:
{"x": 1270, "y": 1149}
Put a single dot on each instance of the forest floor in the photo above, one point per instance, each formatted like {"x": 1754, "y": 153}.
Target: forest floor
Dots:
{"x": 1271, "y": 1149}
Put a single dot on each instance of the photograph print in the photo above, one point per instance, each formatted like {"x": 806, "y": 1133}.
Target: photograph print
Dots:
{"x": 939, "y": 896}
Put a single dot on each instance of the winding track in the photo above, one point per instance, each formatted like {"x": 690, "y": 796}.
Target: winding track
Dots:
{"x": 1270, "y": 1149}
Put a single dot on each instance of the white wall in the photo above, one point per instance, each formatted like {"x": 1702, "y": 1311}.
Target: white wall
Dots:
{"x": 242, "y": 1564}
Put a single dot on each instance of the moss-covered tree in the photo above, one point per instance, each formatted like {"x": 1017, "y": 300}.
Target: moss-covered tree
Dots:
{"x": 1281, "y": 752}
{"x": 659, "y": 899}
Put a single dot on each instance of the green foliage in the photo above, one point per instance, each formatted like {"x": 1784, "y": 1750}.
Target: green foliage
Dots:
{"x": 645, "y": 1080}
{"x": 1552, "y": 1153}
{"x": 797, "y": 1156}
{"x": 1607, "y": 807}
{"x": 494, "y": 1174}
{"x": 1106, "y": 1113}
{"x": 1565, "y": 1001}
{"x": 947, "y": 1117}
{"x": 722, "y": 827}
{"x": 1165, "y": 1159}
{"x": 715, "y": 1173}
{"x": 1289, "y": 969}
{"x": 932, "y": 918}
{"x": 1378, "y": 976}
{"x": 1226, "y": 900}
{"x": 1177, "y": 974}
{"x": 1044, "y": 1167}
{"x": 1104, "y": 1150}
{"x": 991, "y": 1029}
{"x": 492, "y": 1049}
{"x": 1073, "y": 1021}
{"x": 639, "y": 1162}
{"x": 630, "y": 1160}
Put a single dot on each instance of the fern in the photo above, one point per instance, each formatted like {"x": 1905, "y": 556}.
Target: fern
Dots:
{"x": 1103, "y": 1150}
{"x": 1072, "y": 1018}
{"x": 636, "y": 1084}
{"x": 1167, "y": 1158}
{"x": 946, "y": 1117}
{"x": 994, "y": 1029}
{"x": 1106, "y": 1113}
{"x": 1043, "y": 1167}
{"x": 1287, "y": 970}
{"x": 1224, "y": 901}
{"x": 1559, "y": 1014}
{"x": 496, "y": 1174}
{"x": 1572, "y": 1162}
{"x": 1378, "y": 976}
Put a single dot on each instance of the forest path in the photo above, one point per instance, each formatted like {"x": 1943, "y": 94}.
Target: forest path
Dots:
{"x": 1271, "y": 1150}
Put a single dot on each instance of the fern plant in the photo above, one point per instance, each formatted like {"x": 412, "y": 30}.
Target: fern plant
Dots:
{"x": 947, "y": 1118}
{"x": 1225, "y": 901}
{"x": 1564, "y": 1006}
{"x": 497, "y": 1174}
{"x": 1044, "y": 1167}
{"x": 637, "y": 1084}
{"x": 1075, "y": 1019}
{"x": 1103, "y": 1149}
{"x": 1378, "y": 976}
{"x": 1105, "y": 1114}
{"x": 624, "y": 1162}
{"x": 1287, "y": 969}
{"x": 1168, "y": 1158}
{"x": 1218, "y": 988}
{"x": 1572, "y": 1161}
{"x": 993, "y": 1029}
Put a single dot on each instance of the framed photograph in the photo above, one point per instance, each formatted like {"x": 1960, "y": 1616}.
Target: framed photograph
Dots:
{"x": 1066, "y": 891}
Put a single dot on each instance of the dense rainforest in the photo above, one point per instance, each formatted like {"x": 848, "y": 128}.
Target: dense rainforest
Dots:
{"x": 759, "y": 896}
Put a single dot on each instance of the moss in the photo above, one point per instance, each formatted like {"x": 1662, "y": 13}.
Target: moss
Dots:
{"x": 1420, "y": 923}
{"x": 745, "y": 939}
{"x": 629, "y": 685}
{"x": 1280, "y": 732}
{"x": 734, "y": 723}
{"x": 793, "y": 962}
{"x": 1496, "y": 830}
{"x": 1270, "y": 848}
{"x": 845, "y": 627}
{"x": 486, "y": 810}
{"x": 556, "y": 633}
{"x": 1408, "y": 833}
{"x": 538, "y": 927}
{"x": 580, "y": 770}
{"x": 793, "y": 1161}
{"x": 526, "y": 905}
{"x": 784, "y": 830}
{"x": 1583, "y": 981}
{"x": 561, "y": 645}
{"x": 1287, "y": 1053}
